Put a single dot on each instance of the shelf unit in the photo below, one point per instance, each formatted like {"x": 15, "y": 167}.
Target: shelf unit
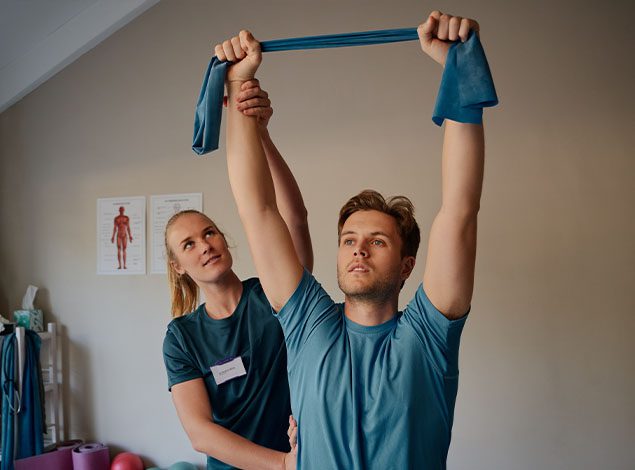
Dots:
{"x": 51, "y": 377}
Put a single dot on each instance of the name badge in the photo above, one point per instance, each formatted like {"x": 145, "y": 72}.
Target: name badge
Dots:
{"x": 228, "y": 369}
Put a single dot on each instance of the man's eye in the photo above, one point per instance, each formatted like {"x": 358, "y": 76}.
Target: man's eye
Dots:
{"x": 347, "y": 242}
{"x": 378, "y": 242}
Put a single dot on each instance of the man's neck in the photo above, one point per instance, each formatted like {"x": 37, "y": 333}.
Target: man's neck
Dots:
{"x": 370, "y": 312}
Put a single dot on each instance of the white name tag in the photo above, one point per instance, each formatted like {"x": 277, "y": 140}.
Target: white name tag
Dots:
{"x": 228, "y": 369}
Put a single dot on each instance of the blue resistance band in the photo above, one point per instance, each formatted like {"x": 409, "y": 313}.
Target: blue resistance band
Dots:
{"x": 466, "y": 87}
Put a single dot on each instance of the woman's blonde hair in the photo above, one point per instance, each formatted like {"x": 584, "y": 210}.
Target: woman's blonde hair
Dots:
{"x": 183, "y": 289}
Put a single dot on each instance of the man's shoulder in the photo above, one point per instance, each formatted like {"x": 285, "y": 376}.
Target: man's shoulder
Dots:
{"x": 309, "y": 296}
{"x": 309, "y": 286}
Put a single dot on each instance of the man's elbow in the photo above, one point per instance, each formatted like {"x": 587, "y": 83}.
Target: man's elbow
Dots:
{"x": 258, "y": 213}
{"x": 296, "y": 217}
{"x": 467, "y": 207}
{"x": 455, "y": 311}
{"x": 298, "y": 224}
{"x": 464, "y": 215}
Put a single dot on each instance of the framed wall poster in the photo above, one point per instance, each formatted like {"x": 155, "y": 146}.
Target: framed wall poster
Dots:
{"x": 121, "y": 240}
{"x": 162, "y": 207}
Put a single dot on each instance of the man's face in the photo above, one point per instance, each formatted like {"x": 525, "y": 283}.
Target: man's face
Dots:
{"x": 369, "y": 262}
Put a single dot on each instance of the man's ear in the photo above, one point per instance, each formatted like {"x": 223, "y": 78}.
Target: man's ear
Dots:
{"x": 407, "y": 265}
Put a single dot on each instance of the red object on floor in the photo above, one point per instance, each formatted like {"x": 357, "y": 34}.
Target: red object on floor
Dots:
{"x": 127, "y": 461}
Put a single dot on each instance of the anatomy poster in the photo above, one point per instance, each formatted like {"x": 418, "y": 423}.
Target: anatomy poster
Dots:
{"x": 121, "y": 240}
{"x": 162, "y": 207}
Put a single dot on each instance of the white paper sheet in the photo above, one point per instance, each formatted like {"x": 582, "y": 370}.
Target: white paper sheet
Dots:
{"x": 121, "y": 235}
{"x": 162, "y": 207}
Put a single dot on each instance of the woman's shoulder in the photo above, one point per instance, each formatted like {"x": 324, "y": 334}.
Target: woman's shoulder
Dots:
{"x": 255, "y": 295}
{"x": 251, "y": 282}
{"x": 252, "y": 286}
{"x": 185, "y": 320}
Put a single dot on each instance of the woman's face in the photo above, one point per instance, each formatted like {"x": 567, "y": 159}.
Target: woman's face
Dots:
{"x": 199, "y": 248}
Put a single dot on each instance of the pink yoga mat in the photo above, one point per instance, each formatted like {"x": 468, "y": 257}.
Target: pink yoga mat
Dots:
{"x": 92, "y": 456}
{"x": 59, "y": 459}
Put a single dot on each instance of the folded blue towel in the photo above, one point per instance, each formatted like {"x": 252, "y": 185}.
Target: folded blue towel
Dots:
{"x": 466, "y": 86}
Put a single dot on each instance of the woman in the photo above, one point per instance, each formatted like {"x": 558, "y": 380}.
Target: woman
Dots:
{"x": 226, "y": 360}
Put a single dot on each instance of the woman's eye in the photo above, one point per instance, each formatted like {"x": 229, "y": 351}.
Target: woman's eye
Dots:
{"x": 209, "y": 233}
{"x": 187, "y": 245}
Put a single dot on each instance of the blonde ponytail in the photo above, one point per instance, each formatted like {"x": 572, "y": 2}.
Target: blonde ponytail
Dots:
{"x": 183, "y": 289}
{"x": 183, "y": 292}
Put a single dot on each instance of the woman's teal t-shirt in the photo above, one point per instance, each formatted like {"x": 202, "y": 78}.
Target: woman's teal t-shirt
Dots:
{"x": 256, "y": 405}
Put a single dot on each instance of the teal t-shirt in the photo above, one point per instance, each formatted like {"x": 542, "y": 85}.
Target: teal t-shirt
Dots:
{"x": 370, "y": 397}
{"x": 256, "y": 405}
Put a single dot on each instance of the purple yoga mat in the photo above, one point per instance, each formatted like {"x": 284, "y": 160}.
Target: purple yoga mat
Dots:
{"x": 59, "y": 459}
{"x": 92, "y": 456}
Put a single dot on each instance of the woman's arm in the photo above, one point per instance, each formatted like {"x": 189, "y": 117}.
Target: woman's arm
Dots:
{"x": 195, "y": 412}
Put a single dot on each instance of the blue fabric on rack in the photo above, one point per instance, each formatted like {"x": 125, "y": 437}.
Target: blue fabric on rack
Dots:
{"x": 9, "y": 403}
{"x": 466, "y": 86}
{"x": 30, "y": 426}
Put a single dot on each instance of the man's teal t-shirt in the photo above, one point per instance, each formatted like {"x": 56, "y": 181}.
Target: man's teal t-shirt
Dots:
{"x": 256, "y": 405}
{"x": 370, "y": 397}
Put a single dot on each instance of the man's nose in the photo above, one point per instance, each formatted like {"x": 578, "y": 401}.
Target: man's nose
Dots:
{"x": 361, "y": 252}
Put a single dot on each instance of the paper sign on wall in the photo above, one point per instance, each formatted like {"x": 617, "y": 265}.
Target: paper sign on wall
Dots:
{"x": 162, "y": 207}
{"x": 121, "y": 235}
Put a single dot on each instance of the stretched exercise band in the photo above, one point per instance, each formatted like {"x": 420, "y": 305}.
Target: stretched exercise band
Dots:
{"x": 466, "y": 87}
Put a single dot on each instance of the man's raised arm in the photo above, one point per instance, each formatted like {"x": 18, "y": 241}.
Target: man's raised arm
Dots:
{"x": 271, "y": 245}
{"x": 254, "y": 101}
{"x": 449, "y": 271}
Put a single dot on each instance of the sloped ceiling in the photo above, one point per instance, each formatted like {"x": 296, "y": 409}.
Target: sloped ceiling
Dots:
{"x": 38, "y": 38}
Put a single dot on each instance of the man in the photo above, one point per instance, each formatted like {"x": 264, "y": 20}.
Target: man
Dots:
{"x": 121, "y": 230}
{"x": 370, "y": 387}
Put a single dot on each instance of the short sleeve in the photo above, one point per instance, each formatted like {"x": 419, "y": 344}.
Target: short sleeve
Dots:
{"x": 308, "y": 308}
{"x": 179, "y": 365}
{"x": 439, "y": 335}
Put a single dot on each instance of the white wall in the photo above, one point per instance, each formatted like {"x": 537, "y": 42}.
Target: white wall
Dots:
{"x": 546, "y": 362}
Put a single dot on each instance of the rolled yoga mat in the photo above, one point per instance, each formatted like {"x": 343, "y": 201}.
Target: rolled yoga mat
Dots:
{"x": 466, "y": 86}
{"x": 60, "y": 458}
{"x": 92, "y": 456}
